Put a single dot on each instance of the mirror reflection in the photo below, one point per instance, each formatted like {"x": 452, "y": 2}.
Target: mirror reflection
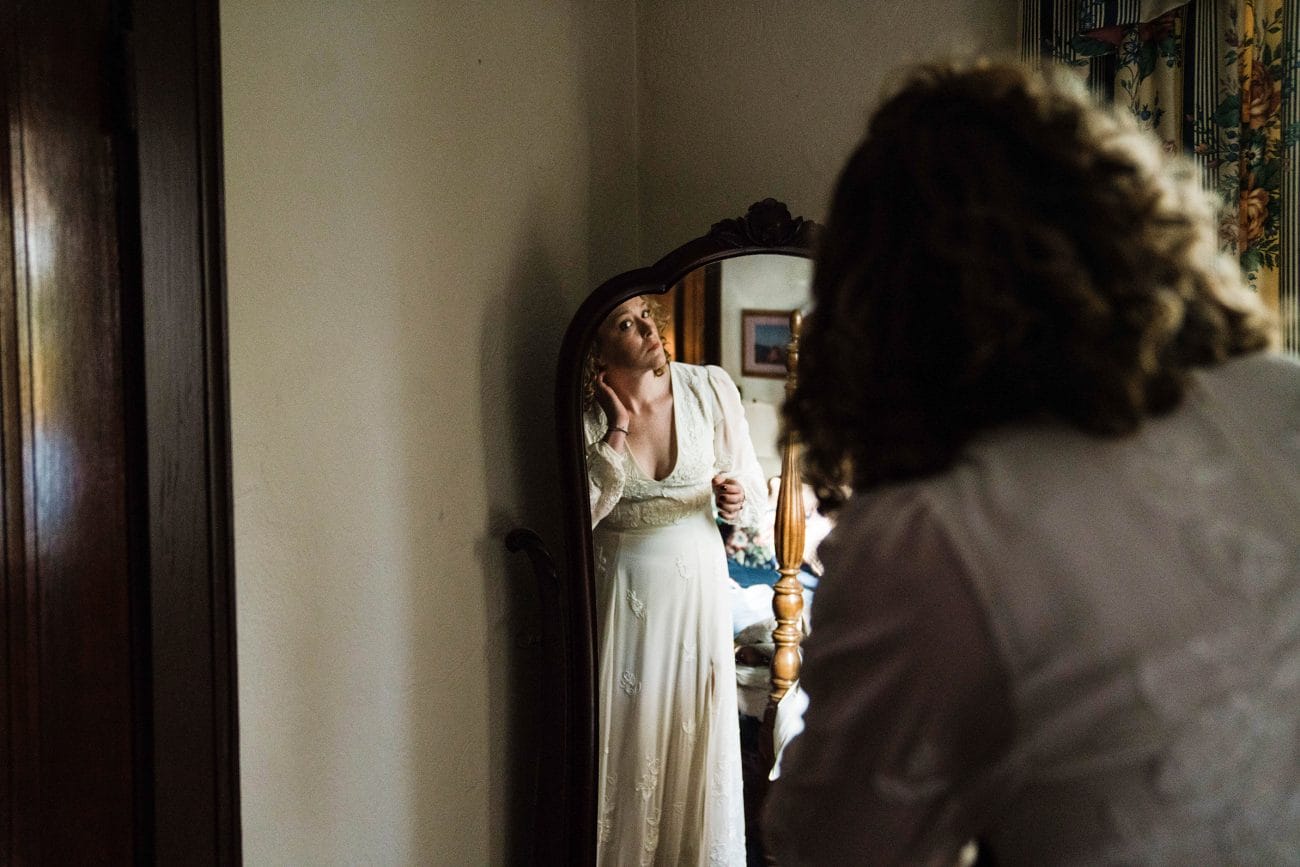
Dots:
{"x": 681, "y": 392}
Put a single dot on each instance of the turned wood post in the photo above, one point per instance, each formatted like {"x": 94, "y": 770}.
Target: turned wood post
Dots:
{"x": 787, "y": 600}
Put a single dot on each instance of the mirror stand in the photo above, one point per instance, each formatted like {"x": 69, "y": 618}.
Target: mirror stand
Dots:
{"x": 566, "y": 825}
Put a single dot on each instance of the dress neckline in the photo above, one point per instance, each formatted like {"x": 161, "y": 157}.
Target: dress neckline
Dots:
{"x": 673, "y": 392}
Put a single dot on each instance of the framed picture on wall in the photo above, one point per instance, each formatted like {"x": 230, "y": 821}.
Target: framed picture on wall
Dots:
{"x": 764, "y": 337}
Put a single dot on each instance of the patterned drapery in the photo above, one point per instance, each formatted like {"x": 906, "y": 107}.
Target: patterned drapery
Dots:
{"x": 1214, "y": 78}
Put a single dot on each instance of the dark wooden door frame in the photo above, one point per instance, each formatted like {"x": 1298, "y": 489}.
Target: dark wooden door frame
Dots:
{"x": 118, "y": 726}
{"x": 176, "y": 67}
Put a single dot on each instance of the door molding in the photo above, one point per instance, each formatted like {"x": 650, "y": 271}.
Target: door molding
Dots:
{"x": 118, "y": 719}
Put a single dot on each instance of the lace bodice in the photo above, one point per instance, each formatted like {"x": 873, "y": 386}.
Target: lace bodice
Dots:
{"x": 712, "y": 438}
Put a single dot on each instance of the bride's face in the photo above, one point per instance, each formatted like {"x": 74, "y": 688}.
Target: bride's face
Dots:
{"x": 629, "y": 338}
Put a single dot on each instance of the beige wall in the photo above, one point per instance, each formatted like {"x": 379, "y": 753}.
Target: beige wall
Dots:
{"x": 744, "y": 99}
{"x": 418, "y": 194}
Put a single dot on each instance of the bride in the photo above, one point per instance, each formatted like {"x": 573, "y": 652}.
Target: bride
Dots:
{"x": 666, "y": 443}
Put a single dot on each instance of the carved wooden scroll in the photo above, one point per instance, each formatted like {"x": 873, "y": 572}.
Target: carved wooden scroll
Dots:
{"x": 787, "y": 601}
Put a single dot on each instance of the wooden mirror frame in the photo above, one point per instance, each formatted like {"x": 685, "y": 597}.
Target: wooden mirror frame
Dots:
{"x": 566, "y": 820}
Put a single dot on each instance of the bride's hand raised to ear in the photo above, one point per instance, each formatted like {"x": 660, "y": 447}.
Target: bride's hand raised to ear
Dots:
{"x": 615, "y": 412}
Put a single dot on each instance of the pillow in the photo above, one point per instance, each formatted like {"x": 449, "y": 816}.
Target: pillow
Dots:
{"x": 750, "y": 546}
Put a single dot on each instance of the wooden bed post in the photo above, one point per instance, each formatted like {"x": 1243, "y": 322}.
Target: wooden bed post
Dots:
{"x": 787, "y": 599}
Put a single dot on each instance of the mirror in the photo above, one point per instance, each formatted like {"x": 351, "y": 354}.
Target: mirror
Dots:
{"x": 668, "y": 512}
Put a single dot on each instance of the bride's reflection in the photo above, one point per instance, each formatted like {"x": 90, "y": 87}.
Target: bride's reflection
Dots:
{"x": 666, "y": 443}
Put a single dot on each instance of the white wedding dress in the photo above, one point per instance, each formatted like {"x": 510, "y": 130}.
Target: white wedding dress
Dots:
{"x": 669, "y": 790}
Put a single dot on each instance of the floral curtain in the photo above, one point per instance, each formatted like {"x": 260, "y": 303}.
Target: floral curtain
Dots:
{"x": 1214, "y": 78}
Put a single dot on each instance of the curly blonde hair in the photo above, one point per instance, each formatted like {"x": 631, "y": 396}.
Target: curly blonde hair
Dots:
{"x": 1001, "y": 248}
{"x": 591, "y": 364}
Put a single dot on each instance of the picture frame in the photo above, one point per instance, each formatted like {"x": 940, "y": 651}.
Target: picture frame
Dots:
{"x": 764, "y": 340}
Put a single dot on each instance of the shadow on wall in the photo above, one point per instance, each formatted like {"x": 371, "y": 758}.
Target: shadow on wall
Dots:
{"x": 520, "y": 344}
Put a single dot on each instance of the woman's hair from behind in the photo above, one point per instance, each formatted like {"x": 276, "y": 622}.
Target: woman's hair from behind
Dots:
{"x": 591, "y": 365}
{"x": 1001, "y": 248}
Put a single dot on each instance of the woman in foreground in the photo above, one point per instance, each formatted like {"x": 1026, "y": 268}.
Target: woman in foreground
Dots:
{"x": 1061, "y": 609}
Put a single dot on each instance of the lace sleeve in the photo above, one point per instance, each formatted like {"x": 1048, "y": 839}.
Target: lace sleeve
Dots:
{"x": 606, "y": 472}
{"x": 733, "y": 450}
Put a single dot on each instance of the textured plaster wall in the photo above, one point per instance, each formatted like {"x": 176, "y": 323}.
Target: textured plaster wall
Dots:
{"x": 744, "y": 99}
{"x": 418, "y": 194}
{"x": 758, "y": 283}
